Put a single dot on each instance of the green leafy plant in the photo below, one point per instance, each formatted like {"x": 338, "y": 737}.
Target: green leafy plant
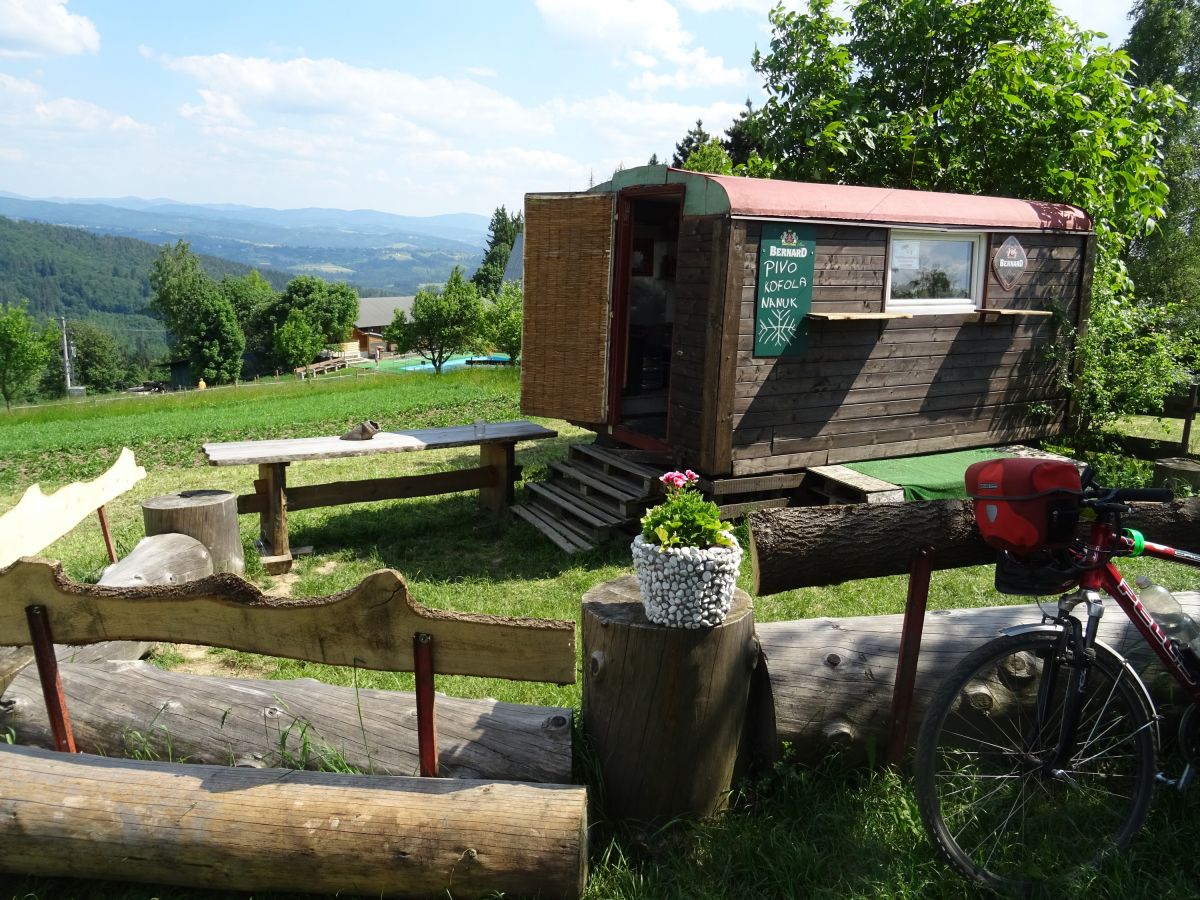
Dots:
{"x": 685, "y": 518}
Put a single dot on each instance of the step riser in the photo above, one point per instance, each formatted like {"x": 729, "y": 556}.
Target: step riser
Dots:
{"x": 633, "y": 482}
{"x": 639, "y": 477}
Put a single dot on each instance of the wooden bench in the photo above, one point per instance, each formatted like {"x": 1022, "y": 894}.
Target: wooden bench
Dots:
{"x": 320, "y": 368}
{"x": 493, "y": 478}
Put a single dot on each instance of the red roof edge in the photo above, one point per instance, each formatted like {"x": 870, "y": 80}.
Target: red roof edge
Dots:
{"x": 770, "y": 198}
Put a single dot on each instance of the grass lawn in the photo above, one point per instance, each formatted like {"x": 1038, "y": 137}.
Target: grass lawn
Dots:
{"x": 1160, "y": 429}
{"x": 796, "y": 832}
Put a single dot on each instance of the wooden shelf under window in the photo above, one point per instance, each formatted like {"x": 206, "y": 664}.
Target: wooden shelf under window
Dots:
{"x": 997, "y": 315}
{"x": 856, "y": 317}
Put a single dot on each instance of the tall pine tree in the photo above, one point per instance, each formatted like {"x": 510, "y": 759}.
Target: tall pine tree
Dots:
{"x": 502, "y": 233}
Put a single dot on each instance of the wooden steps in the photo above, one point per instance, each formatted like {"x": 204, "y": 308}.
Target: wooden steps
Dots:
{"x": 596, "y": 494}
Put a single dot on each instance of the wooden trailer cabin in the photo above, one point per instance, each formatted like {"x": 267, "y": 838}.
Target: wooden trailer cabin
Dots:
{"x": 752, "y": 328}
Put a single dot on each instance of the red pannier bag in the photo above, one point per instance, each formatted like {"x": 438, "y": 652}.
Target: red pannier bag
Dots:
{"x": 1024, "y": 504}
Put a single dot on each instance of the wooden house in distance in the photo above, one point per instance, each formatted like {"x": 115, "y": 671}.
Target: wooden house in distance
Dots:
{"x": 750, "y": 327}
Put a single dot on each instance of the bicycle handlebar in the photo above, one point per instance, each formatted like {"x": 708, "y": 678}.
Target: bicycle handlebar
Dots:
{"x": 1116, "y": 500}
{"x": 1143, "y": 495}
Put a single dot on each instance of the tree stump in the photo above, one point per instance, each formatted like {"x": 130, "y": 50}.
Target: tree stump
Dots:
{"x": 1178, "y": 473}
{"x": 663, "y": 708}
{"x": 210, "y": 517}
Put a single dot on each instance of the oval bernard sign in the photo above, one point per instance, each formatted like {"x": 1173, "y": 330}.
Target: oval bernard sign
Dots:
{"x": 1010, "y": 263}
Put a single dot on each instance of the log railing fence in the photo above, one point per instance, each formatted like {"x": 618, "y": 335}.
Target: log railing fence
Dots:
{"x": 39, "y": 605}
{"x": 796, "y": 547}
{"x": 380, "y": 835}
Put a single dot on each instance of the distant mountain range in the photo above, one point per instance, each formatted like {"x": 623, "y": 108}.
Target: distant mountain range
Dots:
{"x": 97, "y": 278}
{"x": 390, "y": 253}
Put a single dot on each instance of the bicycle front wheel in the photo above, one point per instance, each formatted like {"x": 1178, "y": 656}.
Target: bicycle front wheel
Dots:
{"x": 996, "y": 796}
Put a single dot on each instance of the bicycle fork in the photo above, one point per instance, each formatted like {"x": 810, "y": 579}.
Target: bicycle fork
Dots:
{"x": 1073, "y": 651}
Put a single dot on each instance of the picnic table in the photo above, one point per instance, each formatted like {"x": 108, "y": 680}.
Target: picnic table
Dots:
{"x": 493, "y": 477}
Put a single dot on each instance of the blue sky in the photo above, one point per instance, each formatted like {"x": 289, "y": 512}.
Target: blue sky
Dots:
{"x": 415, "y": 108}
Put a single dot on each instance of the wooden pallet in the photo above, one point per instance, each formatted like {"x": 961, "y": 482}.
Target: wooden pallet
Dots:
{"x": 839, "y": 484}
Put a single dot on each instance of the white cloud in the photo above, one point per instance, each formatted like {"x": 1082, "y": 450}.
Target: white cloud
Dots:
{"x": 646, "y": 33}
{"x": 217, "y": 109}
{"x": 1111, "y": 18}
{"x": 80, "y": 115}
{"x": 17, "y": 91}
{"x": 695, "y": 67}
{"x": 44, "y": 28}
{"x": 362, "y": 99}
{"x": 707, "y": 6}
{"x": 11, "y": 155}
{"x": 630, "y": 130}
{"x": 22, "y": 106}
{"x": 482, "y": 72}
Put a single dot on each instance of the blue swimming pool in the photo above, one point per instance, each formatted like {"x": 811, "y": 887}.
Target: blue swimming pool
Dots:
{"x": 457, "y": 362}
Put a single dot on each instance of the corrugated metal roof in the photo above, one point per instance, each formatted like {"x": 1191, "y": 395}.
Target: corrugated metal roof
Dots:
{"x": 378, "y": 312}
{"x": 802, "y": 200}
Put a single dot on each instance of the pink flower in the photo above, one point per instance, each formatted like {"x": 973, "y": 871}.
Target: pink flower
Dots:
{"x": 691, "y": 476}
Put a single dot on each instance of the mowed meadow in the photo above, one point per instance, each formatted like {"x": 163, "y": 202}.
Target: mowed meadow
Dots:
{"x": 793, "y": 832}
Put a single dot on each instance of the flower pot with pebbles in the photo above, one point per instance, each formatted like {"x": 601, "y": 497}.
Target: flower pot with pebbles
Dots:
{"x": 686, "y": 587}
{"x": 686, "y": 558}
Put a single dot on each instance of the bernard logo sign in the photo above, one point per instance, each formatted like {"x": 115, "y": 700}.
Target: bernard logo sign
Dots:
{"x": 1010, "y": 263}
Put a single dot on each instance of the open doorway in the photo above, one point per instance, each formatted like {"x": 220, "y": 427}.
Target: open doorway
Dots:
{"x": 646, "y": 307}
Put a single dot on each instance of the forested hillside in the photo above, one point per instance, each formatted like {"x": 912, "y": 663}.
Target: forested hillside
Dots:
{"x": 372, "y": 250}
{"x": 96, "y": 278}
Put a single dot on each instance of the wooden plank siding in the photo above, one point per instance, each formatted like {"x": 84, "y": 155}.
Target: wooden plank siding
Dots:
{"x": 696, "y": 297}
{"x": 893, "y": 387}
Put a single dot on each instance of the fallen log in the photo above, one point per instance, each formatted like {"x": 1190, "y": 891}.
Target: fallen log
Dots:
{"x": 277, "y": 830}
{"x": 832, "y": 678}
{"x": 160, "y": 559}
{"x": 806, "y": 546}
{"x": 135, "y": 709}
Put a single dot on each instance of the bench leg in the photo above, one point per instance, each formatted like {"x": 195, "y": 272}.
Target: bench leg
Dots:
{"x": 427, "y": 753}
{"x": 52, "y": 689}
{"x": 500, "y": 456}
{"x": 273, "y": 529}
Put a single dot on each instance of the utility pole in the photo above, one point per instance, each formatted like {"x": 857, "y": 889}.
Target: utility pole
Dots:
{"x": 66, "y": 354}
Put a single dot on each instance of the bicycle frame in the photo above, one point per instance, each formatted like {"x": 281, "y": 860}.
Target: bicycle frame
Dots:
{"x": 1100, "y": 574}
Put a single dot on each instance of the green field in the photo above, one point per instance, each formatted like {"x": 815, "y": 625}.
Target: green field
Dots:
{"x": 796, "y": 832}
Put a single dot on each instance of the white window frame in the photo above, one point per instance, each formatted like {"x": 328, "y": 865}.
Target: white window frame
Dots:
{"x": 939, "y": 306}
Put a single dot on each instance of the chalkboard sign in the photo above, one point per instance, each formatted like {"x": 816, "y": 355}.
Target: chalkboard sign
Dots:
{"x": 785, "y": 276}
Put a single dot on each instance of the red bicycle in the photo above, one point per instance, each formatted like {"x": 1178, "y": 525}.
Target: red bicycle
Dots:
{"x": 1038, "y": 755}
